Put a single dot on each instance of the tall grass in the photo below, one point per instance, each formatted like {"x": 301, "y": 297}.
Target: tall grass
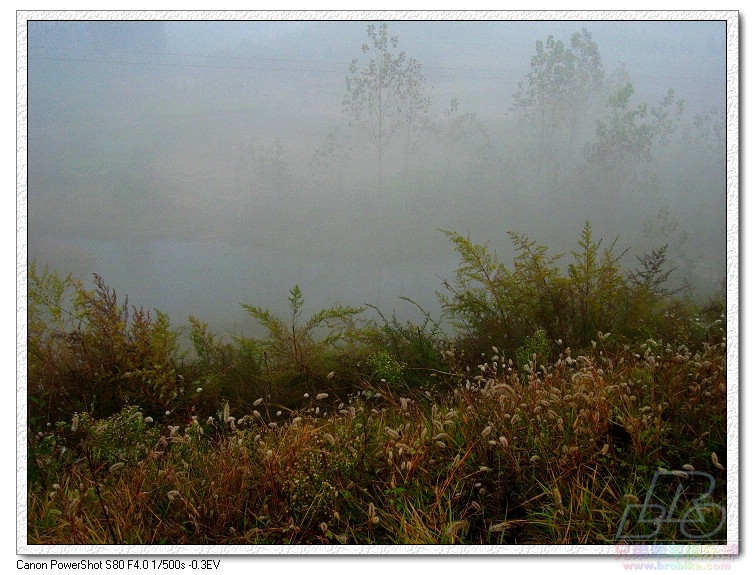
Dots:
{"x": 548, "y": 456}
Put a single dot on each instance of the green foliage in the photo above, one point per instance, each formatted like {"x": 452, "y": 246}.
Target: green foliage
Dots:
{"x": 387, "y": 369}
{"x": 490, "y": 304}
{"x": 223, "y": 370}
{"x": 123, "y": 437}
{"x": 534, "y": 352}
{"x": 598, "y": 289}
{"x": 299, "y": 354}
{"x": 89, "y": 353}
{"x": 477, "y": 302}
{"x": 417, "y": 348}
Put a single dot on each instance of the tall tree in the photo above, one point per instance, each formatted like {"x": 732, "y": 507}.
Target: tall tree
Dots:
{"x": 385, "y": 95}
{"x": 557, "y": 97}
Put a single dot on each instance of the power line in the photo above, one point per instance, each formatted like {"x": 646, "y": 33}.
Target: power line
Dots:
{"x": 504, "y": 74}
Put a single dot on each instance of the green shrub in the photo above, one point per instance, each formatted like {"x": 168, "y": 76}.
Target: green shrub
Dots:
{"x": 90, "y": 353}
{"x": 303, "y": 356}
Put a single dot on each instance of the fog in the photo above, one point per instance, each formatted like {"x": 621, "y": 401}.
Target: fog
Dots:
{"x": 199, "y": 165}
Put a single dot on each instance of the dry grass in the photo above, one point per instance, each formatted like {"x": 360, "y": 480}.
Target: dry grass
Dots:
{"x": 548, "y": 456}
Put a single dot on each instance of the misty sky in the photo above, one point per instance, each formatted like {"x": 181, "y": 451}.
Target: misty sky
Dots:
{"x": 200, "y": 165}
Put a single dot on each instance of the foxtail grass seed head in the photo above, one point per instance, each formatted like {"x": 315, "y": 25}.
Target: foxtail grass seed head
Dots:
{"x": 631, "y": 498}
{"x": 306, "y": 396}
{"x": 172, "y": 494}
{"x": 331, "y": 374}
{"x": 116, "y": 466}
{"x": 75, "y": 423}
{"x": 557, "y": 502}
{"x": 714, "y": 459}
{"x": 320, "y": 396}
{"x": 148, "y": 420}
{"x": 688, "y": 467}
{"x": 226, "y": 412}
{"x": 257, "y": 402}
